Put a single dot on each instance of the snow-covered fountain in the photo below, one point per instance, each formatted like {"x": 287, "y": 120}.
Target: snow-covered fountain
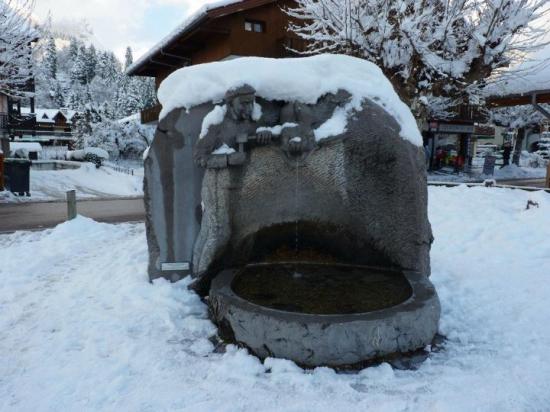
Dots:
{"x": 293, "y": 191}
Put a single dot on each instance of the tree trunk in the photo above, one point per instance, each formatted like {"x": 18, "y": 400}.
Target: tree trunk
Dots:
{"x": 519, "y": 142}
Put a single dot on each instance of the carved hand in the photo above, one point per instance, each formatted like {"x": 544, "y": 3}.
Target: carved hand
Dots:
{"x": 264, "y": 137}
{"x": 295, "y": 146}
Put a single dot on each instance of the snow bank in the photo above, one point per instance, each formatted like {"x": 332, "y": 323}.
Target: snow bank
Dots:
{"x": 84, "y": 330}
{"x": 28, "y": 146}
{"x": 514, "y": 172}
{"x": 80, "y": 154}
{"x": 293, "y": 79}
{"x": 88, "y": 181}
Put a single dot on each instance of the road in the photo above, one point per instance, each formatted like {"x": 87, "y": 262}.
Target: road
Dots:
{"x": 523, "y": 182}
{"x": 40, "y": 215}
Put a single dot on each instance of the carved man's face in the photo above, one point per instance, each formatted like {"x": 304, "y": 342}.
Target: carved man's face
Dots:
{"x": 243, "y": 106}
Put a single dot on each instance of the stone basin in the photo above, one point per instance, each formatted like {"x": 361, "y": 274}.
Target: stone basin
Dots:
{"x": 336, "y": 315}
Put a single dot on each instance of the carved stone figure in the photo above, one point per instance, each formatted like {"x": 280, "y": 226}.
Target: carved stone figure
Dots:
{"x": 291, "y": 190}
{"x": 359, "y": 197}
{"x": 307, "y": 118}
{"x": 240, "y": 118}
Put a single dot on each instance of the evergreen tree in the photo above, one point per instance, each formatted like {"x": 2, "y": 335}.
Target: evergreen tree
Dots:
{"x": 79, "y": 72}
{"x": 102, "y": 64}
{"x": 148, "y": 92}
{"x": 106, "y": 111}
{"x": 73, "y": 48}
{"x": 50, "y": 58}
{"x": 58, "y": 95}
{"x": 128, "y": 58}
{"x": 82, "y": 128}
{"x": 90, "y": 79}
{"x": 91, "y": 63}
{"x": 544, "y": 145}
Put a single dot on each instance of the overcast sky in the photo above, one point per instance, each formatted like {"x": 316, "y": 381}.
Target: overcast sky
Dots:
{"x": 120, "y": 23}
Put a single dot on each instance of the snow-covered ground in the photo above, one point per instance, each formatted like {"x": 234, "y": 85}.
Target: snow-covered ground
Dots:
{"x": 82, "y": 329}
{"x": 88, "y": 182}
{"x": 514, "y": 172}
{"x": 510, "y": 172}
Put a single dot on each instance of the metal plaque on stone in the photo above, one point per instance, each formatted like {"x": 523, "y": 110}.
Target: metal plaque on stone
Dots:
{"x": 172, "y": 266}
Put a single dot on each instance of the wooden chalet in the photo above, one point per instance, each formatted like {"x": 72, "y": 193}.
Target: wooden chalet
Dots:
{"x": 236, "y": 28}
{"x": 51, "y": 126}
{"x": 12, "y": 119}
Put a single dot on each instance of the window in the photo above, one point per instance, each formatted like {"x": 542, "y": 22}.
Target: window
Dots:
{"x": 254, "y": 26}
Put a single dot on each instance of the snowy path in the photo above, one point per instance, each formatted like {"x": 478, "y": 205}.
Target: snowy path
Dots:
{"x": 82, "y": 329}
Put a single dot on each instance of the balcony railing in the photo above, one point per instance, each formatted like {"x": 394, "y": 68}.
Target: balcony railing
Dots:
{"x": 151, "y": 114}
{"x": 22, "y": 121}
{"x": 4, "y": 121}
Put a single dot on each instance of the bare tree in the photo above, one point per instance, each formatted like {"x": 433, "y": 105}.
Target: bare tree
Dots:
{"x": 16, "y": 37}
{"x": 437, "y": 53}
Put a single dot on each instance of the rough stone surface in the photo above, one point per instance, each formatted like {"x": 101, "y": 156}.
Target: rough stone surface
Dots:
{"x": 276, "y": 193}
{"x": 330, "y": 340}
{"x": 359, "y": 197}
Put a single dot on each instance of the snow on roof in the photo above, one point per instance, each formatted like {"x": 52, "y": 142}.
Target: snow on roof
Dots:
{"x": 180, "y": 30}
{"x": 293, "y": 79}
{"x": 47, "y": 115}
{"x": 532, "y": 74}
{"x": 29, "y": 146}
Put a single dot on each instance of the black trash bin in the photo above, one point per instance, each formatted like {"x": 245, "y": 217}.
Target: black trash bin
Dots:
{"x": 17, "y": 173}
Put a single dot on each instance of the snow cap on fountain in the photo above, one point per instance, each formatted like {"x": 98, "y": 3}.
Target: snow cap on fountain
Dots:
{"x": 302, "y": 80}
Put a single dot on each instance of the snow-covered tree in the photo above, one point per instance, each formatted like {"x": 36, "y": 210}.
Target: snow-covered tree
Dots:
{"x": 79, "y": 69}
{"x": 128, "y": 58}
{"x": 516, "y": 117}
{"x": 16, "y": 36}
{"x": 544, "y": 145}
{"x": 121, "y": 139}
{"x": 50, "y": 58}
{"x": 438, "y": 54}
{"x": 57, "y": 94}
{"x": 87, "y": 78}
{"x": 90, "y": 59}
{"x": 74, "y": 47}
{"x": 82, "y": 128}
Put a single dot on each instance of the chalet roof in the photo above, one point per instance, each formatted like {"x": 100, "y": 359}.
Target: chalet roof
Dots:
{"x": 204, "y": 14}
{"x": 48, "y": 115}
{"x": 29, "y": 146}
{"x": 531, "y": 77}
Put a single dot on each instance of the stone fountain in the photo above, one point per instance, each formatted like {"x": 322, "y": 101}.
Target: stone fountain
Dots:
{"x": 310, "y": 249}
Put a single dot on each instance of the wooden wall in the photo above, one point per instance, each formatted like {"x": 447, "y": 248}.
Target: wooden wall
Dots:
{"x": 211, "y": 43}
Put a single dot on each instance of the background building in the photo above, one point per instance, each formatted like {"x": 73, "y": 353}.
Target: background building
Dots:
{"x": 239, "y": 28}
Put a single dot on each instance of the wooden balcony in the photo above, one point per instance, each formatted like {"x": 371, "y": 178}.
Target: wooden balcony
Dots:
{"x": 3, "y": 121}
{"x": 151, "y": 114}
